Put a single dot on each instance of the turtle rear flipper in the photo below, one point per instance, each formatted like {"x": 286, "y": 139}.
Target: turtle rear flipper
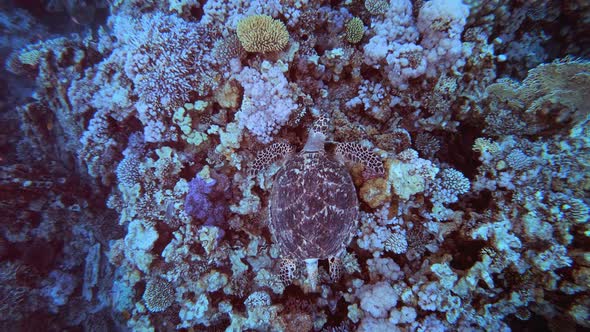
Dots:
{"x": 287, "y": 270}
{"x": 268, "y": 156}
{"x": 335, "y": 268}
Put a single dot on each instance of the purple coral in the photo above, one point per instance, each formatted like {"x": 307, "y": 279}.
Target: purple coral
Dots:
{"x": 205, "y": 201}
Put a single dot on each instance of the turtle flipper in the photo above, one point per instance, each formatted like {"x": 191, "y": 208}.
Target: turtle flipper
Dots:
{"x": 287, "y": 270}
{"x": 269, "y": 155}
{"x": 335, "y": 267}
{"x": 356, "y": 153}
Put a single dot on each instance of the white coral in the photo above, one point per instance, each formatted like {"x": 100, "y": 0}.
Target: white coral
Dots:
{"x": 140, "y": 239}
{"x": 553, "y": 258}
{"x": 384, "y": 269}
{"x": 267, "y": 102}
{"x": 377, "y": 299}
{"x": 441, "y": 23}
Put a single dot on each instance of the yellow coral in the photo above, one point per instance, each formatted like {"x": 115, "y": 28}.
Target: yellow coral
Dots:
{"x": 355, "y": 30}
{"x": 262, "y": 33}
{"x": 375, "y": 192}
{"x": 483, "y": 144}
{"x": 405, "y": 176}
{"x": 408, "y": 178}
{"x": 228, "y": 96}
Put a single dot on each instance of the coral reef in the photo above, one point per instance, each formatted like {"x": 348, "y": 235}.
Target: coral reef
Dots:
{"x": 135, "y": 183}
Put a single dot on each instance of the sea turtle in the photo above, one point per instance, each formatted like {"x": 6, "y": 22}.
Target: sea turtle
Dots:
{"x": 313, "y": 206}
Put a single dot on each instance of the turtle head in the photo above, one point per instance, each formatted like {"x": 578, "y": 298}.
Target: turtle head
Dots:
{"x": 317, "y": 134}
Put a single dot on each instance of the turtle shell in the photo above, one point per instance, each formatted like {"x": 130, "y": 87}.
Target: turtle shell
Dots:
{"x": 313, "y": 207}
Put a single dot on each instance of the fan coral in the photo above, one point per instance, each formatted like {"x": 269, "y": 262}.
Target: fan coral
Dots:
{"x": 262, "y": 33}
{"x": 549, "y": 98}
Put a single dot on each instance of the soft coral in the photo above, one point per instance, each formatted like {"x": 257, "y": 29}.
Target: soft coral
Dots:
{"x": 206, "y": 199}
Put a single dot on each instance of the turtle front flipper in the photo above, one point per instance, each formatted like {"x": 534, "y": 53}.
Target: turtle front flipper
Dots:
{"x": 269, "y": 155}
{"x": 357, "y": 153}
